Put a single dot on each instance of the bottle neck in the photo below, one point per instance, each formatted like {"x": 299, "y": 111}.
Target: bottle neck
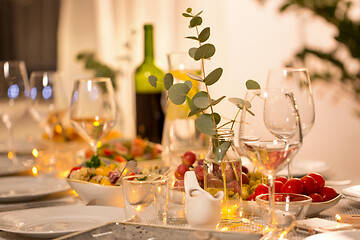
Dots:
{"x": 148, "y": 44}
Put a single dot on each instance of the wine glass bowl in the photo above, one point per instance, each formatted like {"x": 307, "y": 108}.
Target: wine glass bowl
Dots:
{"x": 14, "y": 91}
{"x": 270, "y": 136}
{"x": 93, "y": 109}
{"x": 48, "y": 99}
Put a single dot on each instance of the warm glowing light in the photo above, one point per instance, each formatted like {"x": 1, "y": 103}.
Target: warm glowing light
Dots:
{"x": 58, "y": 128}
{"x": 35, "y": 152}
{"x": 96, "y": 123}
{"x": 34, "y": 171}
{"x": 10, "y": 155}
{"x": 201, "y": 156}
{"x": 138, "y": 208}
{"x": 338, "y": 217}
{"x": 99, "y": 144}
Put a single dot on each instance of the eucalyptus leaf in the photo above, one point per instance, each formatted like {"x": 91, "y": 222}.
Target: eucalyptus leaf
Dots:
{"x": 152, "y": 80}
{"x": 204, "y": 35}
{"x": 195, "y": 21}
{"x": 192, "y": 52}
{"x": 214, "y": 102}
{"x": 186, "y": 15}
{"x": 192, "y": 37}
{"x": 168, "y": 80}
{"x": 188, "y": 83}
{"x": 195, "y": 77}
{"x": 194, "y": 112}
{"x": 220, "y": 151}
{"x": 178, "y": 92}
{"x": 251, "y": 84}
{"x": 217, "y": 118}
{"x": 240, "y": 103}
{"x": 189, "y": 10}
{"x": 199, "y": 13}
{"x": 205, "y": 124}
{"x": 201, "y": 100}
{"x": 204, "y": 51}
{"x": 213, "y": 77}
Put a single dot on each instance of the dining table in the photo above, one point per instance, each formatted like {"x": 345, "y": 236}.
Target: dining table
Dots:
{"x": 131, "y": 230}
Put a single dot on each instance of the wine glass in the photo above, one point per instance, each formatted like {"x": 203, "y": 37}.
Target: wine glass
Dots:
{"x": 14, "y": 89}
{"x": 48, "y": 100}
{"x": 180, "y": 133}
{"x": 270, "y": 136}
{"x": 298, "y": 81}
{"x": 93, "y": 109}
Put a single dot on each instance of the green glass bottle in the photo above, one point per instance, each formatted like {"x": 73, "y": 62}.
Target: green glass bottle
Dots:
{"x": 149, "y": 114}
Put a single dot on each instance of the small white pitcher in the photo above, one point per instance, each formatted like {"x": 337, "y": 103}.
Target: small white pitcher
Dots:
{"x": 202, "y": 210}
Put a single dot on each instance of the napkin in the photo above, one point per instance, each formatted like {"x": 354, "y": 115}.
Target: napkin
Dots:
{"x": 353, "y": 191}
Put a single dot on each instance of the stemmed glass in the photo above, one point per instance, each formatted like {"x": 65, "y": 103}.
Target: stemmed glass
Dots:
{"x": 93, "y": 109}
{"x": 270, "y": 135}
{"x": 180, "y": 133}
{"x": 14, "y": 91}
{"x": 48, "y": 100}
{"x": 298, "y": 81}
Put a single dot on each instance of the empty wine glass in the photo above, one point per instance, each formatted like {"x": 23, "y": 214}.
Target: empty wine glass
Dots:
{"x": 93, "y": 109}
{"x": 48, "y": 100}
{"x": 270, "y": 135}
{"x": 14, "y": 88}
{"x": 298, "y": 81}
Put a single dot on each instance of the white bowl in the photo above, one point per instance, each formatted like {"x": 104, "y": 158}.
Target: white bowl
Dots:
{"x": 318, "y": 207}
{"x": 105, "y": 195}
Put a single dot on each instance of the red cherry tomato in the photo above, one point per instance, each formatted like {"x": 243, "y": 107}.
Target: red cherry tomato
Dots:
{"x": 131, "y": 174}
{"x": 251, "y": 197}
{"x": 294, "y": 185}
{"x": 310, "y": 185}
{"x": 320, "y": 182}
{"x": 119, "y": 158}
{"x": 107, "y": 151}
{"x": 261, "y": 189}
{"x": 316, "y": 197}
{"x": 328, "y": 193}
{"x": 278, "y": 186}
{"x": 281, "y": 179}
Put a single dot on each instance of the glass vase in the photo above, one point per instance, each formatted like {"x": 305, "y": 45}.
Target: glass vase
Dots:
{"x": 223, "y": 172}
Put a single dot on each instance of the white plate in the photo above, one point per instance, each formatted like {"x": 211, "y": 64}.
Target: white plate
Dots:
{"x": 51, "y": 222}
{"x": 339, "y": 235}
{"x": 24, "y": 188}
{"x": 301, "y": 167}
{"x": 7, "y": 166}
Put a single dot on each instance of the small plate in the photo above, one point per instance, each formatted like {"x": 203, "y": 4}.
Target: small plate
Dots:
{"x": 25, "y": 188}
{"x": 338, "y": 235}
{"x": 51, "y": 222}
{"x": 301, "y": 167}
{"x": 24, "y": 163}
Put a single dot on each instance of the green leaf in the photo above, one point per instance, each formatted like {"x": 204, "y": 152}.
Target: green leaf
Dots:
{"x": 189, "y": 10}
{"x": 192, "y": 37}
{"x": 195, "y": 77}
{"x": 217, "y": 101}
{"x": 251, "y": 84}
{"x": 168, "y": 80}
{"x": 205, "y": 124}
{"x": 201, "y": 100}
{"x": 195, "y": 21}
{"x": 152, "y": 80}
{"x": 186, "y": 15}
{"x": 204, "y": 35}
{"x": 240, "y": 103}
{"x": 217, "y": 118}
{"x": 213, "y": 77}
{"x": 192, "y": 52}
{"x": 205, "y": 51}
{"x": 177, "y": 93}
{"x": 193, "y": 108}
{"x": 220, "y": 151}
{"x": 188, "y": 83}
{"x": 199, "y": 13}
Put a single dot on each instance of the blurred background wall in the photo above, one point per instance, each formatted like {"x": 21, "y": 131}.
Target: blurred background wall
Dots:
{"x": 250, "y": 37}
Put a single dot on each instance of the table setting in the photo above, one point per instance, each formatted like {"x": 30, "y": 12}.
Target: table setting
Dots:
{"x": 205, "y": 180}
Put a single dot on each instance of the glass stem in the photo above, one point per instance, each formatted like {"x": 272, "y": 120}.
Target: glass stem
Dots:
{"x": 11, "y": 151}
{"x": 272, "y": 218}
{"x": 94, "y": 148}
{"x": 289, "y": 167}
{"x": 50, "y": 133}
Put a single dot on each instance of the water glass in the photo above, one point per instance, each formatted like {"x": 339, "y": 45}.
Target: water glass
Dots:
{"x": 176, "y": 204}
{"x": 146, "y": 198}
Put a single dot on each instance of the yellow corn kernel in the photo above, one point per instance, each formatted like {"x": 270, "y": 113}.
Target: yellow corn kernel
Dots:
{"x": 102, "y": 170}
{"x": 104, "y": 181}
